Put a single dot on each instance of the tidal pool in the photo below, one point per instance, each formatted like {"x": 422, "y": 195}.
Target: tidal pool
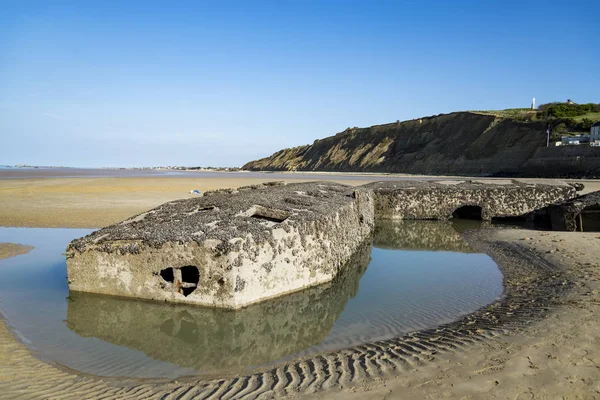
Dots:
{"x": 416, "y": 274}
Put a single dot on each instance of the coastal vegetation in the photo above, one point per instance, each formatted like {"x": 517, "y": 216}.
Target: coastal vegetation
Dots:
{"x": 521, "y": 114}
{"x": 563, "y": 118}
{"x": 566, "y": 110}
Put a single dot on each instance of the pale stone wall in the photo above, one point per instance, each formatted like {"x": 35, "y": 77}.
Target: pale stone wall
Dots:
{"x": 137, "y": 274}
{"x": 440, "y": 199}
{"x": 300, "y": 255}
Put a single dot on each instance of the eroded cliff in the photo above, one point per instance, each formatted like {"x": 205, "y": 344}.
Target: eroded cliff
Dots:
{"x": 462, "y": 143}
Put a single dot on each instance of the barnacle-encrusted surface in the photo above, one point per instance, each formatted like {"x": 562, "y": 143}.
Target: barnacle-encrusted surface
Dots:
{"x": 229, "y": 248}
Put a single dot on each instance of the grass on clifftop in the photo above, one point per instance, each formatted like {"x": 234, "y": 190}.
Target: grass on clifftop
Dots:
{"x": 564, "y": 119}
{"x": 518, "y": 114}
{"x": 575, "y": 117}
{"x": 594, "y": 116}
{"x": 515, "y": 113}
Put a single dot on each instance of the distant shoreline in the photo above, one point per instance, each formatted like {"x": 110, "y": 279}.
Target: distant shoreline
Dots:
{"x": 76, "y": 172}
{"x": 71, "y": 172}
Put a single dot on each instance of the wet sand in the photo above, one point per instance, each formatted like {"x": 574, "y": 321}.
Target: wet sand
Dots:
{"x": 551, "y": 351}
{"x": 97, "y": 202}
{"x": 555, "y": 358}
{"x": 8, "y": 250}
{"x": 91, "y": 202}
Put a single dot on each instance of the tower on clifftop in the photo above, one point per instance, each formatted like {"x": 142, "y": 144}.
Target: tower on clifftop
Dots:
{"x": 533, "y": 104}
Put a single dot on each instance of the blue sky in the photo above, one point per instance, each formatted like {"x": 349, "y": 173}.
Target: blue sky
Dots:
{"x": 141, "y": 83}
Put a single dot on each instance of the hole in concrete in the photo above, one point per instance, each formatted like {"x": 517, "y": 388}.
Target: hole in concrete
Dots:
{"x": 221, "y": 282}
{"x": 190, "y": 276}
{"x": 201, "y": 210}
{"x": 468, "y": 212}
{"x": 514, "y": 219}
{"x": 167, "y": 274}
{"x": 589, "y": 219}
{"x": 269, "y": 214}
{"x": 268, "y": 218}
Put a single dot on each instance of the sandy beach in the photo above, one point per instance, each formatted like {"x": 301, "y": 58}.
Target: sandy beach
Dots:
{"x": 97, "y": 202}
{"x": 94, "y": 202}
{"x": 555, "y": 358}
{"x": 555, "y": 355}
{"x": 322, "y": 200}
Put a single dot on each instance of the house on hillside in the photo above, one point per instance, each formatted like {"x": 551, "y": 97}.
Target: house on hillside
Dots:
{"x": 575, "y": 140}
{"x": 595, "y": 134}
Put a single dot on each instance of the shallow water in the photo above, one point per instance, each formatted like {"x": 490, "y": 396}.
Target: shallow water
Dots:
{"x": 58, "y": 172}
{"x": 417, "y": 274}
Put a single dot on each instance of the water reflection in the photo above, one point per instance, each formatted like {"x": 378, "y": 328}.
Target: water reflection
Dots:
{"x": 425, "y": 235}
{"x": 407, "y": 286}
{"x": 212, "y": 340}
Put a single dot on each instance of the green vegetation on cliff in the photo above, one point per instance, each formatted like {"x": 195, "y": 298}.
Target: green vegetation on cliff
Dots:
{"x": 575, "y": 117}
{"x": 567, "y": 110}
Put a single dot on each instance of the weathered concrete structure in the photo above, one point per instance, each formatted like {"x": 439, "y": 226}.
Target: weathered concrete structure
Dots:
{"x": 478, "y": 199}
{"x": 218, "y": 340}
{"x": 579, "y": 214}
{"x": 235, "y": 247}
{"x": 229, "y": 248}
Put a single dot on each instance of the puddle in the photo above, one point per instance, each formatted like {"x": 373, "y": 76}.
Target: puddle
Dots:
{"x": 418, "y": 274}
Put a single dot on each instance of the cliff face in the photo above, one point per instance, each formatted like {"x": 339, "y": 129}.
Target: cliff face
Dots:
{"x": 462, "y": 143}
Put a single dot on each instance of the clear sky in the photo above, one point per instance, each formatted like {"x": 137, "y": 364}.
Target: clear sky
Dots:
{"x": 144, "y": 83}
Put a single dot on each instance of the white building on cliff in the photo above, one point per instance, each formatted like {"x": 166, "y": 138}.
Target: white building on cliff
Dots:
{"x": 595, "y": 134}
{"x": 595, "y": 131}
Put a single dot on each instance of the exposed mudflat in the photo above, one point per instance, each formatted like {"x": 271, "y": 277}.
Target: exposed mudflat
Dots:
{"x": 94, "y": 202}
{"x": 523, "y": 345}
{"x": 86, "y": 202}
